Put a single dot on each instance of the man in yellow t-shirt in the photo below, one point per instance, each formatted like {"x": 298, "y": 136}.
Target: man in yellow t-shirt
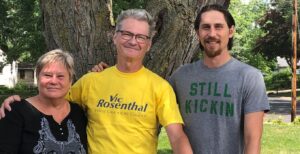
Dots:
{"x": 124, "y": 109}
{"x": 126, "y": 103}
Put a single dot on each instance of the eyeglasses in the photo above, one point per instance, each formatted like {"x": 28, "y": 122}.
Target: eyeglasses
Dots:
{"x": 140, "y": 38}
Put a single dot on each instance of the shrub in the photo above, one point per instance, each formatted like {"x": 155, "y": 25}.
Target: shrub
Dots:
{"x": 296, "y": 121}
{"x": 278, "y": 121}
{"x": 279, "y": 80}
{"x": 21, "y": 88}
{"x": 5, "y": 90}
{"x": 2, "y": 90}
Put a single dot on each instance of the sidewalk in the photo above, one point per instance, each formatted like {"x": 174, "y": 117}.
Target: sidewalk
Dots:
{"x": 280, "y": 107}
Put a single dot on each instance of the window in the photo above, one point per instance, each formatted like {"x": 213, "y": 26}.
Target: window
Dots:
{"x": 22, "y": 74}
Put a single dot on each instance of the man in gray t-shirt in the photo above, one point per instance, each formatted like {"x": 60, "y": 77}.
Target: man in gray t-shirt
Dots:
{"x": 221, "y": 99}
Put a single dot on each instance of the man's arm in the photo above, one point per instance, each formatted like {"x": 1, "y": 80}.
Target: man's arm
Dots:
{"x": 5, "y": 104}
{"x": 179, "y": 141}
{"x": 253, "y": 129}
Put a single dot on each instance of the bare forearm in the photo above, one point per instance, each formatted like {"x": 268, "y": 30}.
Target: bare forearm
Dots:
{"x": 178, "y": 140}
{"x": 253, "y": 131}
{"x": 252, "y": 147}
{"x": 181, "y": 146}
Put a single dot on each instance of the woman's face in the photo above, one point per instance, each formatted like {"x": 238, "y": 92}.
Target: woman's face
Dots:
{"x": 54, "y": 81}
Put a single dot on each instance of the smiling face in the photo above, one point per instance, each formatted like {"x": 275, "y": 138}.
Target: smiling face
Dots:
{"x": 214, "y": 33}
{"x": 131, "y": 48}
{"x": 54, "y": 81}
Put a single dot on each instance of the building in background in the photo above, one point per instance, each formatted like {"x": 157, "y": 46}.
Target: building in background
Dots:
{"x": 25, "y": 74}
{"x": 282, "y": 64}
{"x": 13, "y": 73}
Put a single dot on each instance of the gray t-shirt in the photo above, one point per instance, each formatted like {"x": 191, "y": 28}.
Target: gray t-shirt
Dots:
{"x": 213, "y": 103}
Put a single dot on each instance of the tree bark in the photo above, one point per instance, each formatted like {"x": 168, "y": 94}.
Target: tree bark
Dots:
{"x": 82, "y": 27}
{"x": 85, "y": 28}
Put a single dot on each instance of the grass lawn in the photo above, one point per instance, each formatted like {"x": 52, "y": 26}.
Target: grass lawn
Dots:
{"x": 163, "y": 143}
{"x": 281, "y": 139}
{"x": 277, "y": 139}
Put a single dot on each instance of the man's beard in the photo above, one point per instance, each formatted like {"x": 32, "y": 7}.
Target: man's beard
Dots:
{"x": 212, "y": 53}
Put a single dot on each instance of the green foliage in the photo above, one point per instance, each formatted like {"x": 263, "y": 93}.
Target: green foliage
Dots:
{"x": 247, "y": 31}
{"x": 21, "y": 86}
{"x": 21, "y": 30}
{"x": 5, "y": 90}
{"x": 296, "y": 121}
{"x": 278, "y": 121}
{"x": 119, "y": 5}
{"x": 20, "y": 89}
{"x": 276, "y": 25}
{"x": 279, "y": 80}
{"x": 21, "y": 27}
{"x": 3, "y": 22}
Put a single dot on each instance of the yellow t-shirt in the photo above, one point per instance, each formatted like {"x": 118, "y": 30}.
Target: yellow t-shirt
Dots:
{"x": 125, "y": 109}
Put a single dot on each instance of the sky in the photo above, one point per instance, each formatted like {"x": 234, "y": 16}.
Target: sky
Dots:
{"x": 245, "y": 1}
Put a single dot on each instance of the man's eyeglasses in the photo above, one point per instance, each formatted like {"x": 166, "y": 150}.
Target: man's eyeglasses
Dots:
{"x": 140, "y": 38}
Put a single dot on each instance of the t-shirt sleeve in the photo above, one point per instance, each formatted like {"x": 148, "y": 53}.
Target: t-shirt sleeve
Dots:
{"x": 256, "y": 98}
{"x": 76, "y": 92}
{"x": 167, "y": 110}
{"x": 172, "y": 78}
{"x": 11, "y": 131}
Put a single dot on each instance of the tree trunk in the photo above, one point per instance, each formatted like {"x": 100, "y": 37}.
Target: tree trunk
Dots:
{"x": 82, "y": 27}
{"x": 175, "y": 42}
{"x": 85, "y": 28}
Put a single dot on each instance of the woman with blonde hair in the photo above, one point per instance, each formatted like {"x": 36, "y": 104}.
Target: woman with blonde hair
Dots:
{"x": 47, "y": 122}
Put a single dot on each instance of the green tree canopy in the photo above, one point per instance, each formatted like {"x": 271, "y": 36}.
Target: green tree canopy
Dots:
{"x": 277, "y": 26}
{"x": 21, "y": 29}
{"x": 119, "y": 5}
{"x": 248, "y": 31}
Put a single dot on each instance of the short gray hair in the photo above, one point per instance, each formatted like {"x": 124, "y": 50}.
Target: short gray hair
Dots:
{"x": 138, "y": 14}
{"x": 56, "y": 55}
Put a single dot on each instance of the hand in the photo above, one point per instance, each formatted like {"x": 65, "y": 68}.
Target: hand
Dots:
{"x": 5, "y": 104}
{"x": 99, "y": 67}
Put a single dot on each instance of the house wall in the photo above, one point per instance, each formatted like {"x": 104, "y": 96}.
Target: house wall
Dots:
{"x": 8, "y": 75}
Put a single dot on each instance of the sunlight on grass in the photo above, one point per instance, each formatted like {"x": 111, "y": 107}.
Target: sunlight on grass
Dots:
{"x": 163, "y": 143}
{"x": 277, "y": 139}
{"x": 281, "y": 139}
